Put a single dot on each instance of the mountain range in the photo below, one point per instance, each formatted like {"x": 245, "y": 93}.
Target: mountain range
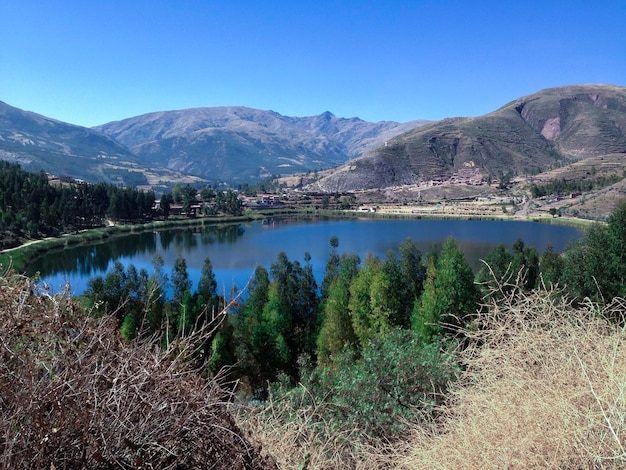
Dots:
{"x": 38, "y": 142}
{"x": 530, "y": 135}
{"x": 533, "y": 134}
{"x": 221, "y": 144}
{"x": 242, "y": 144}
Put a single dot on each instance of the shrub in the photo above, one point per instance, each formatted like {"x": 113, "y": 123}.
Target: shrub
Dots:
{"x": 74, "y": 395}
{"x": 337, "y": 415}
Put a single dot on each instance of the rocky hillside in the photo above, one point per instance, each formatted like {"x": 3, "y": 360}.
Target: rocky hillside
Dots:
{"x": 532, "y": 134}
{"x": 238, "y": 144}
{"x": 39, "y": 143}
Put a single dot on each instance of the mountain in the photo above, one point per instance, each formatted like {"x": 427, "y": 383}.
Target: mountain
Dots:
{"x": 39, "y": 143}
{"x": 532, "y": 134}
{"x": 239, "y": 144}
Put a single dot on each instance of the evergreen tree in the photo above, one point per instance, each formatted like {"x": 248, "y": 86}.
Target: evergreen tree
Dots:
{"x": 365, "y": 325}
{"x": 450, "y": 295}
{"x": 180, "y": 279}
{"x": 497, "y": 266}
{"x": 337, "y": 333}
{"x": 248, "y": 332}
{"x": 308, "y": 305}
{"x": 412, "y": 271}
{"x": 332, "y": 266}
{"x": 275, "y": 331}
{"x": 525, "y": 264}
{"x": 595, "y": 267}
{"x": 207, "y": 302}
{"x": 551, "y": 267}
{"x": 425, "y": 319}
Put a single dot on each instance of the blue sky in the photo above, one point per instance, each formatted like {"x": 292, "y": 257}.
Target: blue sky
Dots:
{"x": 91, "y": 62}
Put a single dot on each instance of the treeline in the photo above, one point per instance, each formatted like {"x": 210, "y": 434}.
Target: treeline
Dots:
{"x": 30, "y": 207}
{"x": 563, "y": 187}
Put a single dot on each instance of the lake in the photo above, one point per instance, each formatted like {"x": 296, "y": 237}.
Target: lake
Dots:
{"x": 235, "y": 250}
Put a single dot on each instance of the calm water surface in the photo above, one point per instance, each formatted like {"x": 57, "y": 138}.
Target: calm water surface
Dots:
{"x": 235, "y": 250}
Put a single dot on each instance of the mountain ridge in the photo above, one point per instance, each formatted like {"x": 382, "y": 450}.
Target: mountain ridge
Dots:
{"x": 534, "y": 133}
{"x": 39, "y": 142}
{"x": 236, "y": 144}
{"x": 246, "y": 143}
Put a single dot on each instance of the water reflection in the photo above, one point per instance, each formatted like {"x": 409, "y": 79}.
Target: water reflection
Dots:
{"x": 236, "y": 249}
{"x": 93, "y": 259}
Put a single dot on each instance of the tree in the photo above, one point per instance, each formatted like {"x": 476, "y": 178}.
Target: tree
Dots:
{"x": 188, "y": 195}
{"x": 248, "y": 333}
{"x": 166, "y": 204}
{"x": 180, "y": 279}
{"x": 450, "y": 295}
{"x": 595, "y": 267}
{"x": 425, "y": 319}
{"x": 525, "y": 264}
{"x": 308, "y": 305}
{"x": 616, "y": 227}
{"x": 360, "y": 304}
{"x": 275, "y": 331}
{"x": 332, "y": 266}
{"x": 207, "y": 299}
{"x": 496, "y": 273}
{"x": 412, "y": 270}
{"x": 337, "y": 333}
{"x": 551, "y": 266}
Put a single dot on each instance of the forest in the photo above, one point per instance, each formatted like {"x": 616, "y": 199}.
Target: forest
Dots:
{"x": 32, "y": 208}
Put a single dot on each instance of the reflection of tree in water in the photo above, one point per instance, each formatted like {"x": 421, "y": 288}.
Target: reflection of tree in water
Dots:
{"x": 187, "y": 239}
{"x": 230, "y": 233}
{"x": 89, "y": 259}
{"x": 92, "y": 258}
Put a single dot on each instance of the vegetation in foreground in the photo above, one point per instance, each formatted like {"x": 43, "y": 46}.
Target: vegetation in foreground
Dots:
{"x": 74, "y": 395}
{"x": 543, "y": 385}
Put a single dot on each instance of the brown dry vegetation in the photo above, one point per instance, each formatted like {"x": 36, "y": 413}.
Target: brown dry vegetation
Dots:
{"x": 544, "y": 387}
{"x": 73, "y": 395}
{"x": 303, "y": 438}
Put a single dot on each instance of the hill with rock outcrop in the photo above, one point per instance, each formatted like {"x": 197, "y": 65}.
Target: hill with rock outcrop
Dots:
{"x": 530, "y": 135}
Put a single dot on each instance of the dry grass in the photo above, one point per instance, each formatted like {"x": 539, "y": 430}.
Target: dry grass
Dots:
{"x": 544, "y": 387}
{"x": 300, "y": 437}
{"x": 73, "y": 395}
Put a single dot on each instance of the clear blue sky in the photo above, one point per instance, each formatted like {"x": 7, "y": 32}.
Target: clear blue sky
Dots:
{"x": 90, "y": 62}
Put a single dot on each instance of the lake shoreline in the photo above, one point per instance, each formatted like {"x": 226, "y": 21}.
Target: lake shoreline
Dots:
{"x": 18, "y": 258}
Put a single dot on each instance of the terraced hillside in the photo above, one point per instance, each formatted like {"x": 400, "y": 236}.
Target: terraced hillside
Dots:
{"x": 530, "y": 135}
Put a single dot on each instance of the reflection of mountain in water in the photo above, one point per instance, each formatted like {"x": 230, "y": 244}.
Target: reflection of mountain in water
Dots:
{"x": 91, "y": 259}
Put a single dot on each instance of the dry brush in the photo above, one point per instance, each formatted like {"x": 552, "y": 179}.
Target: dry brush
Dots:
{"x": 74, "y": 395}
